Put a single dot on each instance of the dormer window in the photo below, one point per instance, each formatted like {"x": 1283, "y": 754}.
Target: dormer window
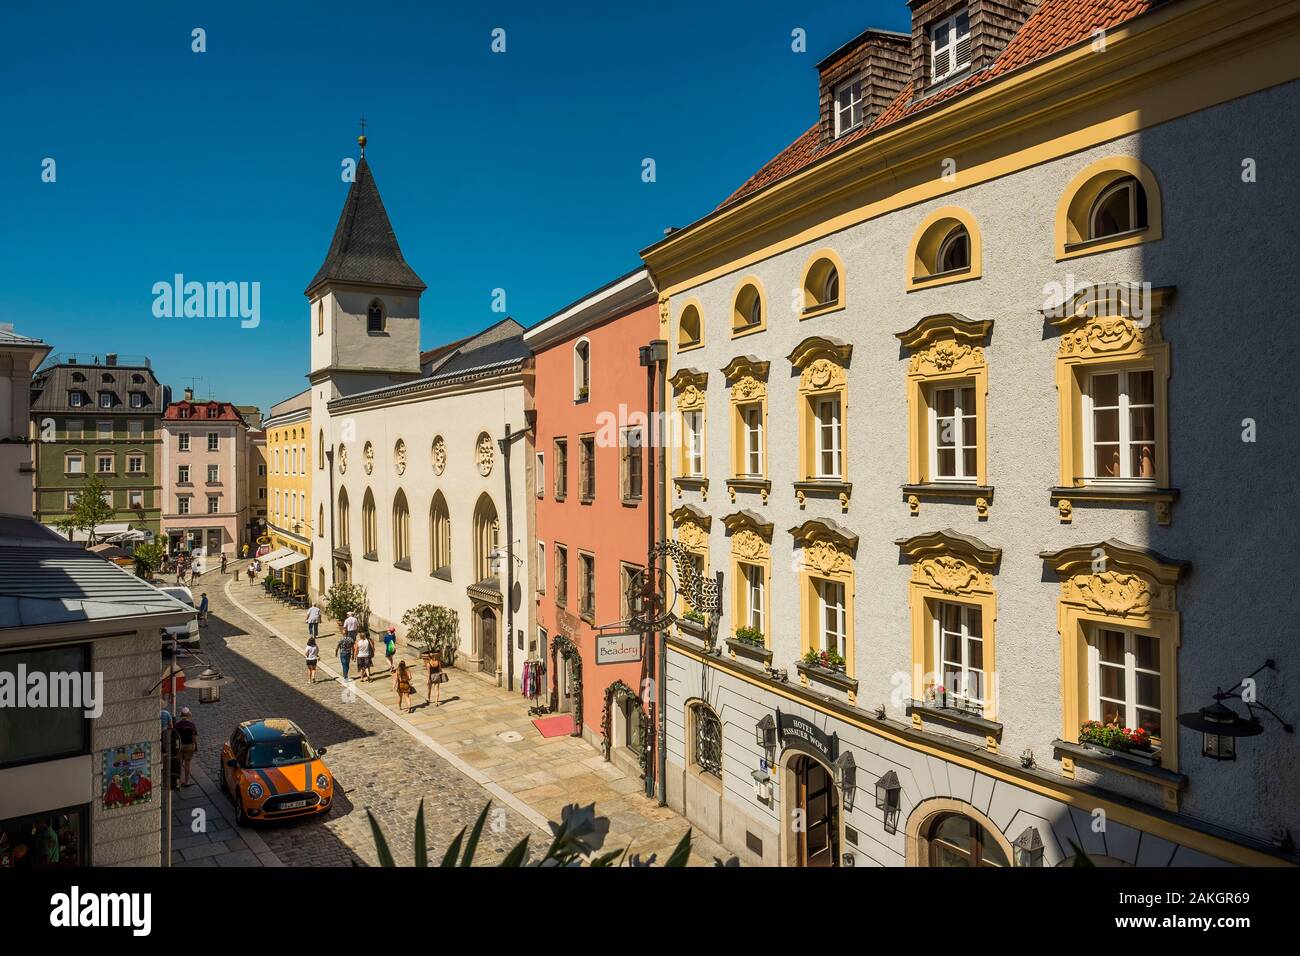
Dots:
{"x": 78, "y": 377}
{"x": 137, "y": 379}
{"x": 950, "y": 46}
{"x": 106, "y": 399}
{"x": 375, "y": 319}
{"x": 848, "y": 106}
{"x": 137, "y": 400}
{"x": 106, "y": 378}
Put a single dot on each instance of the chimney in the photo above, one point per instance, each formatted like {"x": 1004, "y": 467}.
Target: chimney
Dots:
{"x": 110, "y": 358}
{"x": 974, "y": 33}
{"x": 189, "y": 395}
{"x": 860, "y": 79}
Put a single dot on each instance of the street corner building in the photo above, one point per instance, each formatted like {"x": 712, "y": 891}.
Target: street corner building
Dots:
{"x": 967, "y": 381}
{"x": 79, "y": 673}
{"x": 419, "y": 472}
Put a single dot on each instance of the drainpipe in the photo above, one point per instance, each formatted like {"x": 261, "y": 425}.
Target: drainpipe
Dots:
{"x": 648, "y": 446}
{"x": 652, "y": 356}
{"x": 504, "y": 444}
{"x": 329, "y": 459}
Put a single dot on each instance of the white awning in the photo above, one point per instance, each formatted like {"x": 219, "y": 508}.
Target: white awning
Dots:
{"x": 273, "y": 556}
{"x": 292, "y": 558}
{"x": 102, "y": 531}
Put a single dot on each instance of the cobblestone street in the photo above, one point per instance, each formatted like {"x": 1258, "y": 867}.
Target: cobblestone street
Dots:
{"x": 479, "y": 746}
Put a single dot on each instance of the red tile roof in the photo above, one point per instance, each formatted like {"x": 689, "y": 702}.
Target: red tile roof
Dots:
{"x": 198, "y": 412}
{"x": 1055, "y": 26}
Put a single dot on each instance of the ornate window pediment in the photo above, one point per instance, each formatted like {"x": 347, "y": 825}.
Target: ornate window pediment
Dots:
{"x": 828, "y": 547}
{"x": 751, "y": 535}
{"x": 747, "y": 378}
{"x": 1110, "y": 319}
{"x": 946, "y": 344}
{"x": 693, "y": 526}
{"x": 1116, "y": 579}
{"x": 950, "y": 562}
{"x": 689, "y": 386}
{"x": 820, "y": 361}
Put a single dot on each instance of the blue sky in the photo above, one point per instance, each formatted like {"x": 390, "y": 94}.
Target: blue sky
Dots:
{"x": 519, "y": 171}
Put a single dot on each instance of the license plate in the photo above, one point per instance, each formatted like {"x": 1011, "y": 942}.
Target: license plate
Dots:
{"x": 293, "y": 804}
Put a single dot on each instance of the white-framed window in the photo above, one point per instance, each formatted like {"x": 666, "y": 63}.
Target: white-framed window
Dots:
{"x": 539, "y": 474}
{"x": 183, "y": 441}
{"x": 137, "y": 400}
{"x": 753, "y": 419}
{"x": 261, "y": 496}
{"x": 581, "y": 370}
{"x": 848, "y": 106}
{"x": 277, "y": 512}
{"x": 182, "y": 474}
{"x": 950, "y": 48}
{"x": 755, "y": 597}
{"x": 76, "y": 399}
{"x": 104, "y": 464}
{"x": 832, "y": 617}
{"x": 107, "y": 495}
{"x": 959, "y": 651}
{"x": 135, "y": 429}
{"x": 74, "y": 464}
{"x": 214, "y": 504}
{"x": 135, "y": 499}
{"x": 106, "y": 399}
{"x": 75, "y": 428}
{"x": 953, "y": 433}
{"x": 214, "y": 441}
{"x": 261, "y": 470}
{"x": 541, "y": 567}
{"x": 693, "y": 425}
{"x": 214, "y": 474}
{"x": 104, "y": 430}
{"x": 829, "y": 457}
{"x": 69, "y": 500}
{"x": 1120, "y": 208}
{"x": 1120, "y": 425}
{"x": 1124, "y": 678}
{"x": 182, "y": 504}
{"x": 135, "y": 464}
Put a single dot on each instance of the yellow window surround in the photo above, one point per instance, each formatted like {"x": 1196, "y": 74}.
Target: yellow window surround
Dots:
{"x": 746, "y": 378}
{"x": 689, "y": 393}
{"x": 813, "y": 283}
{"x": 748, "y": 292}
{"x": 826, "y": 552}
{"x": 690, "y": 325}
{"x": 692, "y": 526}
{"x": 751, "y": 543}
{"x": 1119, "y": 585}
{"x": 956, "y": 568}
{"x": 1108, "y": 327}
{"x": 923, "y": 268}
{"x": 946, "y": 349}
{"x": 821, "y": 362}
{"x": 1074, "y": 208}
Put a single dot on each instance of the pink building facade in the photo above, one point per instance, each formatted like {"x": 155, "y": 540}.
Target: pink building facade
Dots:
{"x": 205, "y": 465}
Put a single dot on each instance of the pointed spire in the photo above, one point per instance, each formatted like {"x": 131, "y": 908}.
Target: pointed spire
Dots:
{"x": 364, "y": 250}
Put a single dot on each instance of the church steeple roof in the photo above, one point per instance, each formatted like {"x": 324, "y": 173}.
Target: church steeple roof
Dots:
{"x": 364, "y": 249}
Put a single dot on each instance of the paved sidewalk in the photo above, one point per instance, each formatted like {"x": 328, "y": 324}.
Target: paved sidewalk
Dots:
{"x": 485, "y": 732}
{"x": 204, "y": 831}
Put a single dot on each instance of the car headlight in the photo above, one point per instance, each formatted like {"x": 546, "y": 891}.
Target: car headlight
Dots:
{"x": 322, "y": 782}
{"x": 255, "y": 791}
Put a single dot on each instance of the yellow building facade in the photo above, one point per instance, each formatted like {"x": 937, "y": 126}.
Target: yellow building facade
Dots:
{"x": 289, "y": 522}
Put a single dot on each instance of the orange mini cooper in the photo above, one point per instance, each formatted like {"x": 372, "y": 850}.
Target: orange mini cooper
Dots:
{"x": 271, "y": 772}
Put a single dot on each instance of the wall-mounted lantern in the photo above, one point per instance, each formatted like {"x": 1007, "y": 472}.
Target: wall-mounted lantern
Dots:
{"x": 762, "y": 786}
{"x": 846, "y": 777}
{"x": 209, "y": 684}
{"x": 888, "y": 791}
{"x": 1029, "y": 848}
{"x": 765, "y": 733}
{"x": 1220, "y": 725}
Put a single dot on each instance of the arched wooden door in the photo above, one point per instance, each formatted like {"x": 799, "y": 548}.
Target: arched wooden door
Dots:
{"x": 487, "y": 638}
{"x": 818, "y": 837}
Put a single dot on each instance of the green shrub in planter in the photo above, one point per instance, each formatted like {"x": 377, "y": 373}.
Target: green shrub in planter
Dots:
{"x": 750, "y": 635}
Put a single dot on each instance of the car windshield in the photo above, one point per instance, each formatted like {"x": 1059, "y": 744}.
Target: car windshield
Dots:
{"x": 274, "y": 753}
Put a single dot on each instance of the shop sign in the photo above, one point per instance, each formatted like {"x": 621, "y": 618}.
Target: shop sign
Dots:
{"x": 126, "y": 776}
{"x": 618, "y": 648}
{"x": 803, "y": 734}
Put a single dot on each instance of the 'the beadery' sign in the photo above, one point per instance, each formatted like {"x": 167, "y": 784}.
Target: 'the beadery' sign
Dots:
{"x": 618, "y": 648}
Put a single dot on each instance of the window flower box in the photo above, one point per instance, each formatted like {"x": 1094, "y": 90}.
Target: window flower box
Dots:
{"x": 1114, "y": 741}
{"x": 748, "y": 643}
{"x": 693, "y": 625}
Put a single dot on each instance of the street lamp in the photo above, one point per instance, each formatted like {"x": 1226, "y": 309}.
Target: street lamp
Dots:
{"x": 846, "y": 777}
{"x": 765, "y": 733}
{"x": 1029, "y": 848}
{"x": 1220, "y": 725}
{"x": 209, "y": 684}
{"x": 887, "y": 792}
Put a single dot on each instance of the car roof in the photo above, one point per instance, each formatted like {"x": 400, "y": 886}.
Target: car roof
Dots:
{"x": 270, "y": 728}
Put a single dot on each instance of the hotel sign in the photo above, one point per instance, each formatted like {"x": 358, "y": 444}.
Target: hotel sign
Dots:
{"x": 618, "y": 648}
{"x": 802, "y": 734}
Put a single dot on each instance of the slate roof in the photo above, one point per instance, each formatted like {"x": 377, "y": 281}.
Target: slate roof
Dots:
{"x": 364, "y": 249}
{"x": 1055, "y": 26}
{"x": 499, "y": 355}
{"x": 45, "y": 580}
{"x": 10, "y": 338}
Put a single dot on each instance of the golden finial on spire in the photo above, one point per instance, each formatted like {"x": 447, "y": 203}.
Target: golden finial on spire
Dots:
{"x": 361, "y": 140}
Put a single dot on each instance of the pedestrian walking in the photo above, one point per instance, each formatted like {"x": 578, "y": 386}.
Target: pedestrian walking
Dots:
{"x": 244, "y": 553}
{"x": 203, "y": 610}
{"x": 365, "y": 655}
{"x": 390, "y": 645}
{"x": 194, "y": 574}
{"x": 351, "y": 625}
{"x": 313, "y": 658}
{"x": 346, "y": 651}
{"x": 404, "y": 687}
{"x": 249, "y": 571}
{"x": 223, "y": 562}
{"x": 436, "y": 678}
{"x": 188, "y": 733}
{"x": 313, "y": 620}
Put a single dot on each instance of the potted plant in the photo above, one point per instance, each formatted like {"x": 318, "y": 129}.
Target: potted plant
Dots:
{"x": 582, "y": 393}
{"x": 750, "y": 635}
{"x": 434, "y": 630}
{"x": 344, "y": 597}
{"x": 1114, "y": 739}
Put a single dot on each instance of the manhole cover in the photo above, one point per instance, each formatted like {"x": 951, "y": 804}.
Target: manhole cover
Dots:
{"x": 510, "y": 736}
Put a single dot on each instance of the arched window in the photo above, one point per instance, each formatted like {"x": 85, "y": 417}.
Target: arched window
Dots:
{"x": 320, "y": 450}
{"x": 748, "y": 312}
{"x": 376, "y": 318}
{"x": 957, "y": 840}
{"x": 320, "y": 522}
{"x": 954, "y": 251}
{"x": 690, "y": 327}
{"x": 369, "y": 531}
{"x": 345, "y": 535}
{"x": 401, "y": 532}
{"x": 822, "y": 283}
{"x": 1121, "y": 208}
{"x": 945, "y": 248}
{"x": 581, "y": 370}
{"x": 487, "y": 537}
{"x": 440, "y": 536}
{"x": 706, "y": 739}
{"x": 320, "y": 317}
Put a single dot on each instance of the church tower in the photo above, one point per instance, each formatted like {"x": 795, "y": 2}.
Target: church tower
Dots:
{"x": 365, "y": 334}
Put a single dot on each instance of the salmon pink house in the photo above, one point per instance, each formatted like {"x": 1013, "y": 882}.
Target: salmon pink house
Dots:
{"x": 205, "y": 477}
{"x": 593, "y": 498}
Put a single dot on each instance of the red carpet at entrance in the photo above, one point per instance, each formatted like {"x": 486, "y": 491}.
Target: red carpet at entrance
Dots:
{"x": 554, "y": 726}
